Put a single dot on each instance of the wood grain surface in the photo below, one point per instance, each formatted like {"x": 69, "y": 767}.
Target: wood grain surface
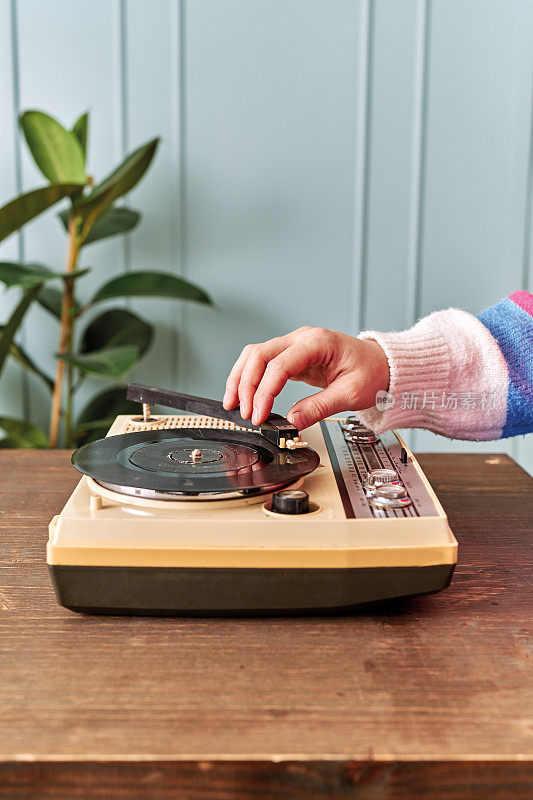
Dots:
{"x": 429, "y": 692}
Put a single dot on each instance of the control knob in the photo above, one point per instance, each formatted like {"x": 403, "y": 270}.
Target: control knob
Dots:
{"x": 352, "y": 424}
{"x": 361, "y": 436}
{"x": 391, "y": 495}
{"x": 290, "y": 501}
{"x": 380, "y": 477}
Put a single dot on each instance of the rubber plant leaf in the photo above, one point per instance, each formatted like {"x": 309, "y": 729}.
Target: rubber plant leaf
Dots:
{"x": 21, "y": 433}
{"x": 114, "y": 222}
{"x": 15, "y": 274}
{"x": 27, "y": 206}
{"x": 116, "y": 328}
{"x": 21, "y": 357}
{"x": 151, "y": 284}
{"x": 119, "y": 182}
{"x": 56, "y": 151}
{"x": 12, "y": 325}
{"x": 80, "y": 131}
{"x": 110, "y": 363}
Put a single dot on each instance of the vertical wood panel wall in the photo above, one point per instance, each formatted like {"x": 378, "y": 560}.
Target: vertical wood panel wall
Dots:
{"x": 330, "y": 162}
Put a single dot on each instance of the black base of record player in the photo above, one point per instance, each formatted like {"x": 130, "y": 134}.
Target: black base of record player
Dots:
{"x": 173, "y": 591}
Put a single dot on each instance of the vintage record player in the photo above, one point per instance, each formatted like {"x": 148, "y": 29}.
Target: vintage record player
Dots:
{"x": 201, "y": 513}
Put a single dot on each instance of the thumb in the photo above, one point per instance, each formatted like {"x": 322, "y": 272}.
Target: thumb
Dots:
{"x": 318, "y": 406}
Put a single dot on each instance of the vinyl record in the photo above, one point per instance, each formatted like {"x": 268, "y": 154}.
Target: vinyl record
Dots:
{"x": 193, "y": 462}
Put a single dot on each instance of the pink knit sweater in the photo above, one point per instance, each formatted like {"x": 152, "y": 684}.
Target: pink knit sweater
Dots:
{"x": 462, "y": 376}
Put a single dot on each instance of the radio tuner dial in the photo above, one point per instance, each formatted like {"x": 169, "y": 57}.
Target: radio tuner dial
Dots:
{"x": 290, "y": 501}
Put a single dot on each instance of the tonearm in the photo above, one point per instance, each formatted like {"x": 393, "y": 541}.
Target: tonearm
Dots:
{"x": 276, "y": 428}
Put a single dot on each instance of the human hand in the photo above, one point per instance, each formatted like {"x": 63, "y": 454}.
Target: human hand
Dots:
{"x": 349, "y": 371}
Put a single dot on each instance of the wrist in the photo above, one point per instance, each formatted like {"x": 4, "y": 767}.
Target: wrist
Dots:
{"x": 380, "y": 366}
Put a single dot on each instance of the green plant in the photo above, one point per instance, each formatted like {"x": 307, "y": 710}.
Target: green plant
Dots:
{"x": 110, "y": 343}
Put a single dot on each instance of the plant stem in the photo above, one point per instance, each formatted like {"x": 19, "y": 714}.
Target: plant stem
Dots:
{"x": 65, "y": 340}
{"x": 68, "y": 406}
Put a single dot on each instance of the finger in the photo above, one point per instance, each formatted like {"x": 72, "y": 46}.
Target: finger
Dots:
{"x": 278, "y": 371}
{"x": 334, "y": 398}
{"x": 231, "y": 396}
{"x": 253, "y": 371}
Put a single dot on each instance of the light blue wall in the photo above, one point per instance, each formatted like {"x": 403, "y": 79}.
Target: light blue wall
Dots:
{"x": 333, "y": 162}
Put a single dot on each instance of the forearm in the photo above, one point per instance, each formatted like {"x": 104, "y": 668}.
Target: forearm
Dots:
{"x": 459, "y": 375}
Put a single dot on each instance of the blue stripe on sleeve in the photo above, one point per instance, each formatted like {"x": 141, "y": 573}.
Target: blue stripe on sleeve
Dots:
{"x": 512, "y": 327}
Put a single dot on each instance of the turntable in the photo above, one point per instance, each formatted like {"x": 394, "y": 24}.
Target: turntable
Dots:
{"x": 203, "y": 514}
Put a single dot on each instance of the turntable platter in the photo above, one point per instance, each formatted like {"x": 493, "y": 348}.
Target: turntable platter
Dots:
{"x": 193, "y": 462}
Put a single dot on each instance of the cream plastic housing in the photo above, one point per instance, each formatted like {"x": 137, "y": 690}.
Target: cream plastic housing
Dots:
{"x": 98, "y": 527}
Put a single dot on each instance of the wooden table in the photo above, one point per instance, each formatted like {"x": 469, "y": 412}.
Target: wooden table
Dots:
{"x": 427, "y": 698}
